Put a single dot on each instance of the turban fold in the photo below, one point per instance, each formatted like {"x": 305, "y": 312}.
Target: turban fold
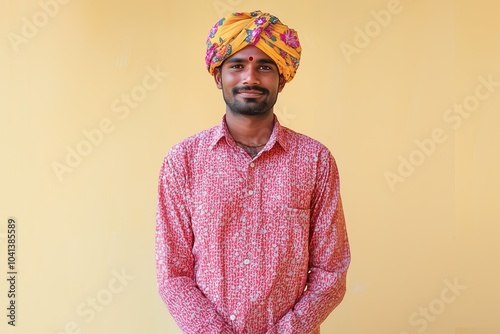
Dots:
{"x": 235, "y": 31}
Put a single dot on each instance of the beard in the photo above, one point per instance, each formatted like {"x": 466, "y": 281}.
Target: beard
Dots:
{"x": 250, "y": 106}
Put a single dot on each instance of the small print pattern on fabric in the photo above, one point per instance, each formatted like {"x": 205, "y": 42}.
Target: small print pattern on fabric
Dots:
{"x": 250, "y": 245}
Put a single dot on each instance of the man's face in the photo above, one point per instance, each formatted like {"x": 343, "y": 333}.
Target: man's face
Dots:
{"x": 250, "y": 82}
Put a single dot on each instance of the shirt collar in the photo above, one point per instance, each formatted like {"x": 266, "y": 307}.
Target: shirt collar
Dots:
{"x": 279, "y": 135}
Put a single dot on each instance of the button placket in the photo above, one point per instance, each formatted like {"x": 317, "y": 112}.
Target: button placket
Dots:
{"x": 251, "y": 179}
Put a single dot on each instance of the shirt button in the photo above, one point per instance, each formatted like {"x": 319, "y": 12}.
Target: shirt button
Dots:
{"x": 252, "y": 165}
{"x": 250, "y": 192}
{"x": 232, "y": 317}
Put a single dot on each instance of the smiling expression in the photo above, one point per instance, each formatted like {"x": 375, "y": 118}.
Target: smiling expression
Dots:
{"x": 250, "y": 82}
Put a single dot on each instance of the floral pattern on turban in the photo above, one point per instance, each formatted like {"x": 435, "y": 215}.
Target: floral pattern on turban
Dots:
{"x": 235, "y": 31}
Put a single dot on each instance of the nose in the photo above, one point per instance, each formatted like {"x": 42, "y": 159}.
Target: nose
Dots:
{"x": 251, "y": 76}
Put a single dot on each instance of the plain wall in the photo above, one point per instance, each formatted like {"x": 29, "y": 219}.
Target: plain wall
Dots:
{"x": 398, "y": 90}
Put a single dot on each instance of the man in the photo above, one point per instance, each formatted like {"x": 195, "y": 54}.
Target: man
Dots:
{"x": 250, "y": 234}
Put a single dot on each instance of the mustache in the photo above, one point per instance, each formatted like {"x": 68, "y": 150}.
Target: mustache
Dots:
{"x": 263, "y": 90}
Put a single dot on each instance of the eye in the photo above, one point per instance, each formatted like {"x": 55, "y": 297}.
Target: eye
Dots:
{"x": 236, "y": 66}
{"x": 266, "y": 68}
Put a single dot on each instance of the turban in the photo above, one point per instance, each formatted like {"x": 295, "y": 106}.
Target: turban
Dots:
{"x": 235, "y": 31}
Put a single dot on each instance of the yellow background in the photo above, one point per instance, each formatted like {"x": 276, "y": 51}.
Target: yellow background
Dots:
{"x": 410, "y": 240}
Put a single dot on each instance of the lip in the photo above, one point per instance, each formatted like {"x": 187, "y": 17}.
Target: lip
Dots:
{"x": 250, "y": 93}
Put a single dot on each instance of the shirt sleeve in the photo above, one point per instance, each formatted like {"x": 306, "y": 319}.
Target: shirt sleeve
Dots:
{"x": 329, "y": 256}
{"x": 189, "y": 307}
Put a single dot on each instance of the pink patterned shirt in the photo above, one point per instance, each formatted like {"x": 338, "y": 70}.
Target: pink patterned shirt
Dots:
{"x": 250, "y": 245}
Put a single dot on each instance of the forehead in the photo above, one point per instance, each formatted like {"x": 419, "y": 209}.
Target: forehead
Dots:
{"x": 250, "y": 51}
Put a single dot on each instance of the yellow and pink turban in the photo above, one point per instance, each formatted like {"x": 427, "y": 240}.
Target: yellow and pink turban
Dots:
{"x": 235, "y": 31}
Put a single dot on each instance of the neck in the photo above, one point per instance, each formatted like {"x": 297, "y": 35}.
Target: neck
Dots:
{"x": 250, "y": 130}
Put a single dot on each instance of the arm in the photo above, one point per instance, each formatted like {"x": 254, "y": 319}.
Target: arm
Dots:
{"x": 329, "y": 256}
{"x": 191, "y": 310}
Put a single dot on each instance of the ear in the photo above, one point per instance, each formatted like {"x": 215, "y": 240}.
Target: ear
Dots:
{"x": 218, "y": 77}
{"x": 281, "y": 84}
